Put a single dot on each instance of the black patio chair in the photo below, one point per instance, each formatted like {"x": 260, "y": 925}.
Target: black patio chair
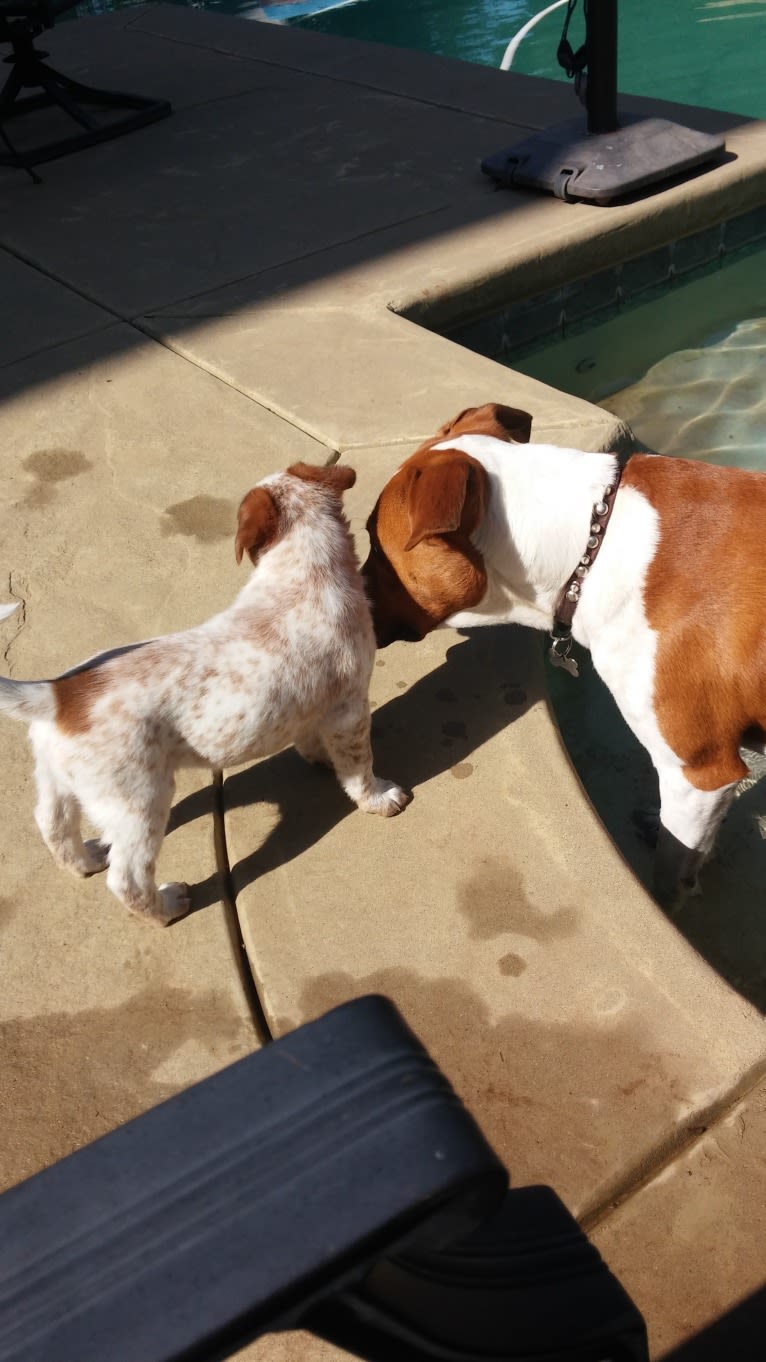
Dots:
{"x": 21, "y": 22}
{"x": 332, "y": 1182}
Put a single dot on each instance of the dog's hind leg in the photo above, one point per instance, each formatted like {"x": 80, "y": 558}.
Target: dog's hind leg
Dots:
{"x": 135, "y": 828}
{"x": 58, "y": 813}
{"x": 690, "y": 815}
{"x": 345, "y": 734}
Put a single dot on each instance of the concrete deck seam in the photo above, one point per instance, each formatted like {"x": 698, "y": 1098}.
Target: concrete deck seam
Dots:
{"x": 54, "y": 345}
{"x": 345, "y": 80}
{"x": 239, "y": 952}
{"x": 163, "y": 312}
{"x": 258, "y": 400}
{"x": 690, "y": 1133}
{"x": 21, "y": 619}
{"x": 135, "y": 325}
{"x": 63, "y": 283}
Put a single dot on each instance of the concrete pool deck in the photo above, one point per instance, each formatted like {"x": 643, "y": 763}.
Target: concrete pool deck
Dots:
{"x": 194, "y": 306}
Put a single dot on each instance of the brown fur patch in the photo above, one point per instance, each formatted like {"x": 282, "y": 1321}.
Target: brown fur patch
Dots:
{"x": 257, "y": 524}
{"x": 444, "y": 491}
{"x": 705, "y": 595}
{"x": 75, "y": 696}
{"x": 504, "y": 423}
{"x": 337, "y": 476}
{"x": 422, "y": 565}
{"x": 411, "y": 595}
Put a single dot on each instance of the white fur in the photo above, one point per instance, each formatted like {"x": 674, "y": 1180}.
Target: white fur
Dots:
{"x": 288, "y": 662}
{"x": 531, "y": 538}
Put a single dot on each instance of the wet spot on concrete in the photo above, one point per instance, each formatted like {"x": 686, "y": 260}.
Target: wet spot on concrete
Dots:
{"x": 628, "y": 1089}
{"x": 77, "y": 1075}
{"x": 495, "y": 903}
{"x": 49, "y": 466}
{"x": 461, "y": 770}
{"x": 56, "y": 465}
{"x": 380, "y": 662}
{"x": 517, "y": 1074}
{"x": 454, "y": 729}
{"x": 401, "y": 685}
{"x": 38, "y": 495}
{"x": 6, "y": 910}
{"x": 512, "y": 964}
{"x": 447, "y": 696}
{"x": 207, "y": 519}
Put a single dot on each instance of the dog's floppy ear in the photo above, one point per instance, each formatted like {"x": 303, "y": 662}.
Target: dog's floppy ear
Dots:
{"x": 257, "y": 524}
{"x": 337, "y": 476}
{"x": 516, "y": 422}
{"x": 449, "y": 426}
{"x": 513, "y": 422}
{"x": 445, "y": 495}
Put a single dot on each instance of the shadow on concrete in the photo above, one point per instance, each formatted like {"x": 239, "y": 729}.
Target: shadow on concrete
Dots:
{"x": 102, "y": 1066}
{"x": 519, "y": 1074}
{"x": 431, "y": 728}
{"x": 437, "y": 723}
{"x": 290, "y": 156}
{"x": 739, "y": 1334}
{"x": 726, "y": 921}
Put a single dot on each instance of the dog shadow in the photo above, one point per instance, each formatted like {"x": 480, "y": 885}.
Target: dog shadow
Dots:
{"x": 486, "y": 681}
{"x": 725, "y": 920}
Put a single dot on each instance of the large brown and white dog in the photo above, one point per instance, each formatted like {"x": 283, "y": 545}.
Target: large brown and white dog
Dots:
{"x": 476, "y": 529}
{"x": 288, "y": 662}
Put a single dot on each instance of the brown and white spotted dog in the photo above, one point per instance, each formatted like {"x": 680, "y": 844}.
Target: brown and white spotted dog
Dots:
{"x": 475, "y": 528}
{"x": 288, "y": 662}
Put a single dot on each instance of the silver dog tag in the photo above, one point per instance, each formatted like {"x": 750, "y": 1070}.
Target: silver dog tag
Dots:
{"x": 558, "y": 656}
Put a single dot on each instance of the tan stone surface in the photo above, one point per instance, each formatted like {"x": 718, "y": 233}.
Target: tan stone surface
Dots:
{"x": 296, "y": 1345}
{"x": 577, "y": 1024}
{"x": 302, "y": 188}
{"x": 366, "y": 375}
{"x": 692, "y": 1243}
{"x": 118, "y": 488}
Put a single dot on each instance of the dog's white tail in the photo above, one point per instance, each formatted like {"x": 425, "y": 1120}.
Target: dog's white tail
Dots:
{"x": 27, "y": 700}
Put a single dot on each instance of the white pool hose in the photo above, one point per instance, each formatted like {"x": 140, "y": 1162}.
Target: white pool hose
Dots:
{"x": 515, "y": 43}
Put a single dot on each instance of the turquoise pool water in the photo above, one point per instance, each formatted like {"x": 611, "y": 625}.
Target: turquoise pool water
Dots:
{"x": 707, "y": 52}
{"x": 686, "y": 369}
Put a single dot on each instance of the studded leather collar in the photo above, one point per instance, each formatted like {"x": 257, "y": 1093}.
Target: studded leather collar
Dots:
{"x": 570, "y": 596}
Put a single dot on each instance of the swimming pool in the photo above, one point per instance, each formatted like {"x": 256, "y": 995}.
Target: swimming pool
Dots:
{"x": 706, "y": 52}
{"x": 685, "y": 367}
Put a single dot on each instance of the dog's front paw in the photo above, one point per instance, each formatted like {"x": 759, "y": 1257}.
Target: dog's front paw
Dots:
{"x": 176, "y": 903}
{"x": 388, "y": 799}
